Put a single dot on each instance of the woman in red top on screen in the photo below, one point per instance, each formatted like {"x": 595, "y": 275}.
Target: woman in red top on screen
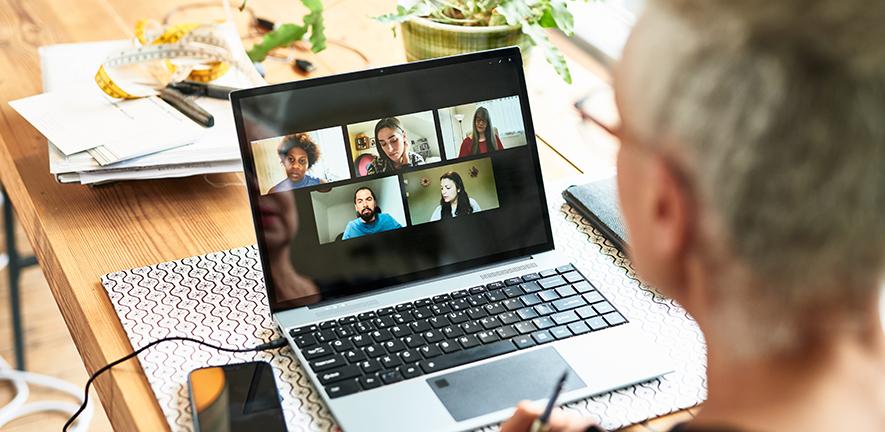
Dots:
{"x": 482, "y": 128}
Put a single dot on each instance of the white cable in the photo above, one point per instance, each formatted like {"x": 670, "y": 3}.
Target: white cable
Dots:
{"x": 18, "y": 408}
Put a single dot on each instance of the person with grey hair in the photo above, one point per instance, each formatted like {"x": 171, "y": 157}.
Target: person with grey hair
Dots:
{"x": 752, "y": 181}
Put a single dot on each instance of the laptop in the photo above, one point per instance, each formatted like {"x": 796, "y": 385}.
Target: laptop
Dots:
{"x": 407, "y": 247}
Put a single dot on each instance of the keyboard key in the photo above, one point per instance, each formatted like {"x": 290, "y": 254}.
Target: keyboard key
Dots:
{"x": 305, "y": 340}
{"x": 459, "y": 304}
{"x": 400, "y": 331}
{"x": 391, "y": 377}
{"x": 441, "y": 298}
{"x": 404, "y": 307}
{"x": 390, "y": 361}
{"x": 508, "y": 317}
{"x": 419, "y": 326}
{"x": 603, "y": 307}
{"x": 369, "y": 382}
{"x": 343, "y": 389}
{"x": 477, "y": 300}
{"x": 530, "y": 287}
{"x": 586, "y": 312}
{"x": 582, "y": 286}
{"x": 369, "y": 366}
{"x": 325, "y": 325}
{"x": 614, "y": 318}
{"x": 596, "y": 323}
{"x": 403, "y": 317}
{"x": 560, "y": 332}
{"x": 564, "y": 317}
{"x": 432, "y": 336}
{"x": 394, "y": 346}
{"x": 347, "y": 320}
{"x": 430, "y": 351}
{"x": 543, "y": 322}
{"x": 494, "y": 308}
{"x": 547, "y": 273}
{"x": 345, "y": 331}
{"x": 409, "y": 356}
{"x": 593, "y": 297}
{"x": 451, "y": 332}
{"x": 384, "y": 311}
{"x": 530, "y": 299}
{"x": 487, "y": 336}
{"x": 422, "y": 313}
{"x": 340, "y": 374}
{"x": 542, "y": 337}
{"x": 373, "y": 350}
{"x": 524, "y": 341}
{"x": 438, "y": 321}
{"x": 448, "y": 346}
{"x": 506, "y": 332}
{"x": 459, "y": 294}
{"x": 422, "y": 302}
{"x": 468, "y": 341}
{"x": 382, "y": 335}
{"x": 565, "y": 268}
{"x": 363, "y": 327}
{"x": 413, "y": 341}
{"x": 365, "y": 316}
{"x": 544, "y": 309}
{"x": 457, "y": 317}
{"x": 527, "y": 313}
{"x": 512, "y": 304}
{"x": 410, "y": 371}
{"x": 496, "y": 295}
{"x": 471, "y": 327}
{"x": 565, "y": 291}
{"x": 354, "y": 355}
{"x": 572, "y": 277}
{"x": 440, "y": 309}
{"x": 551, "y": 282}
{"x": 548, "y": 295}
{"x": 476, "y": 313}
{"x": 494, "y": 285}
{"x": 477, "y": 290}
{"x": 317, "y": 351}
{"x": 530, "y": 277}
{"x": 383, "y": 322}
{"x": 325, "y": 336}
{"x": 525, "y": 327}
{"x": 302, "y": 330}
{"x": 513, "y": 291}
{"x": 578, "y": 327}
{"x": 361, "y": 340}
{"x": 489, "y": 323}
{"x": 326, "y": 363}
{"x": 513, "y": 281}
{"x": 467, "y": 356}
{"x": 569, "y": 303}
{"x": 342, "y": 345}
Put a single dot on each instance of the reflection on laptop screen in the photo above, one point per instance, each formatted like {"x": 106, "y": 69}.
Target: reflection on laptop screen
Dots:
{"x": 377, "y": 178}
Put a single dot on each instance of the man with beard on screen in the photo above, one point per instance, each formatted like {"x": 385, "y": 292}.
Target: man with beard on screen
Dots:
{"x": 370, "y": 220}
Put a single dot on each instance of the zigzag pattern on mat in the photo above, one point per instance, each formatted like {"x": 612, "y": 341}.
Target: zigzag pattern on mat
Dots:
{"x": 220, "y": 297}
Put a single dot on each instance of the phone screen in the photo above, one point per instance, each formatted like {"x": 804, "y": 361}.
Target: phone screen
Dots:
{"x": 236, "y": 397}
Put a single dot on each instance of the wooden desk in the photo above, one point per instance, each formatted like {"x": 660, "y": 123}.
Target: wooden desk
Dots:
{"x": 80, "y": 233}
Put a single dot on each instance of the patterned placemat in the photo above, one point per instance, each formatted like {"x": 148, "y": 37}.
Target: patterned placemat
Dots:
{"x": 220, "y": 297}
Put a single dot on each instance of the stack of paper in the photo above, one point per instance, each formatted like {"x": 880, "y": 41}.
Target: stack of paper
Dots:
{"x": 96, "y": 139}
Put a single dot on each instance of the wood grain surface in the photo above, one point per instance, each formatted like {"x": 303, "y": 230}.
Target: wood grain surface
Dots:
{"x": 79, "y": 233}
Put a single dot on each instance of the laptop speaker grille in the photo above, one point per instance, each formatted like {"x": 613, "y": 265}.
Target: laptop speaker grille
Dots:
{"x": 499, "y": 273}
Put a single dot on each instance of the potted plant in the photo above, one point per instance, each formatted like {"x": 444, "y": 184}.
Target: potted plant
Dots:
{"x": 285, "y": 34}
{"x": 435, "y": 28}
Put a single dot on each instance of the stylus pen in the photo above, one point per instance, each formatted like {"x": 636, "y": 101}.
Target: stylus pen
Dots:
{"x": 202, "y": 89}
{"x": 181, "y": 103}
{"x": 540, "y": 424}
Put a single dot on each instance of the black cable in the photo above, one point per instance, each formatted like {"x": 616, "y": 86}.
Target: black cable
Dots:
{"x": 274, "y": 344}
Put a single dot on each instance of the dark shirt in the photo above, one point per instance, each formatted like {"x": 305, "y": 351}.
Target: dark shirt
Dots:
{"x": 681, "y": 427}
{"x": 382, "y": 165}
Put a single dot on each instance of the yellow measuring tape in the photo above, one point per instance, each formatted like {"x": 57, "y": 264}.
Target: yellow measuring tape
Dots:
{"x": 162, "y": 55}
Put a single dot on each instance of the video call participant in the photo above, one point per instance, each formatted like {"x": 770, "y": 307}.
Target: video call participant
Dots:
{"x": 482, "y": 128}
{"x": 370, "y": 220}
{"x": 279, "y": 221}
{"x": 453, "y": 200}
{"x": 298, "y": 153}
{"x": 393, "y": 148}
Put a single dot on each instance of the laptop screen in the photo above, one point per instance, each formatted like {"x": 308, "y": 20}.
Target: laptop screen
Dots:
{"x": 363, "y": 181}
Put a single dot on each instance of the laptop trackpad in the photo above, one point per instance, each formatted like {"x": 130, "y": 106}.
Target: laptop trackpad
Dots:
{"x": 501, "y": 384}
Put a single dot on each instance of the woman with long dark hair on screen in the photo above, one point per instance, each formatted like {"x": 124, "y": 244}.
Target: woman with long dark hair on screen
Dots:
{"x": 453, "y": 201}
{"x": 483, "y": 133}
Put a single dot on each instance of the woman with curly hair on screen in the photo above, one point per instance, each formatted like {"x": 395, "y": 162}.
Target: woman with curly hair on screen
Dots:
{"x": 298, "y": 153}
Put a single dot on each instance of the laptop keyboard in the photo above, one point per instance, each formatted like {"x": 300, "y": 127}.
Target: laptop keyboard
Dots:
{"x": 391, "y": 344}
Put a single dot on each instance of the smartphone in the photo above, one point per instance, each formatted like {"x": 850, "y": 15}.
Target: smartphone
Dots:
{"x": 235, "y": 397}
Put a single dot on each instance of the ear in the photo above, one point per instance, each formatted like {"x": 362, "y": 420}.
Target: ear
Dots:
{"x": 671, "y": 210}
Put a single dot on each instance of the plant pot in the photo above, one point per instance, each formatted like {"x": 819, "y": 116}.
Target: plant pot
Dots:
{"x": 424, "y": 39}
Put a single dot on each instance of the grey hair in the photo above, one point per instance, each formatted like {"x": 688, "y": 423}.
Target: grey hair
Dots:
{"x": 775, "y": 113}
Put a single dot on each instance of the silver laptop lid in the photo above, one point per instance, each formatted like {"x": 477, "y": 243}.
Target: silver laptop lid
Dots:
{"x": 371, "y": 179}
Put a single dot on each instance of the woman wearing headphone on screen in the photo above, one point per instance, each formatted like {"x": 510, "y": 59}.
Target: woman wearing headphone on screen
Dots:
{"x": 453, "y": 200}
{"x": 483, "y": 134}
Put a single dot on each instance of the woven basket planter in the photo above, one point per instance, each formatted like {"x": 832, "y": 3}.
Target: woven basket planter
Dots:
{"x": 425, "y": 39}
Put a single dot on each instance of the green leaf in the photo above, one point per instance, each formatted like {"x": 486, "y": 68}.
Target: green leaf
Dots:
{"x": 563, "y": 17}
{"x": 314, "y": 20}
{"x": 539, "y": 37}
{"x": 282, "y": 35}
{"x": 404, "y": 14}
{"x": 547, "y": 20}
{"x": 517, "y": 12}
